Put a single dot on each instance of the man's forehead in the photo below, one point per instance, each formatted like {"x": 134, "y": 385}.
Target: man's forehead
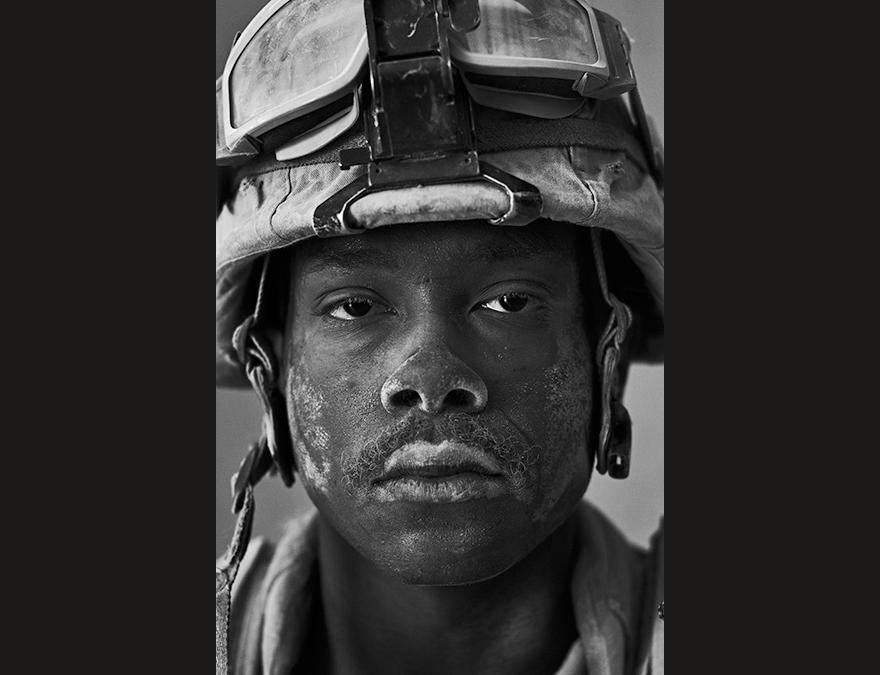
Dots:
{"x": 471, "y": 242}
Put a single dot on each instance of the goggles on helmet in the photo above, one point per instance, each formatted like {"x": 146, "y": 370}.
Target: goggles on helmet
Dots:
{"x": 295, "y": 81}
{"x": 303, "y": 60}
{"x": 297, "y": 61}
{"x": 543, "y": 58}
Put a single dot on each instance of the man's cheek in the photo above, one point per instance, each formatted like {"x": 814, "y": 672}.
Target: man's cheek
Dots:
{"x": 314, "y": 472}
{"x": 306, "y": 407}
{"x": 569, "y": 397}
{"x": 326, "y": 419}
{"x": 551, "y": 405}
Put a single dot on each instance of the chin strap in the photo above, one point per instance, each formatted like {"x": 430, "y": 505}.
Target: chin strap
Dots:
{"x": 273, "y": 453}
{"x": 616, "y": 426}
{"x": 255, "y": 352}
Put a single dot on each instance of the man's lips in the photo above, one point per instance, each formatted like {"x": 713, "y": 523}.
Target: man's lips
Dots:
{"x": 440, "y": 473}
{"x": 438, "y": 460}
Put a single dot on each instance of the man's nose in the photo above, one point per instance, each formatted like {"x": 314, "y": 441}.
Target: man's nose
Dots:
{"x": 434, "y": 380}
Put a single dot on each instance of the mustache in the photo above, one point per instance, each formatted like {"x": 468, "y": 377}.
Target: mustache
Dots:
{"x": 514, "y": 455}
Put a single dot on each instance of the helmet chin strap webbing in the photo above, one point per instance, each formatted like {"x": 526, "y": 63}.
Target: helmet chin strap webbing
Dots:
{"x": 227, "y": 569}
{"x": 614, "y": 443}
{"x": 272, "y": 453}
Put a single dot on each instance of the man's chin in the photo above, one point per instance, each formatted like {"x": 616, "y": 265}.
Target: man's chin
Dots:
{"x": 446, "y": 543}
{"x": 447, "y": 551}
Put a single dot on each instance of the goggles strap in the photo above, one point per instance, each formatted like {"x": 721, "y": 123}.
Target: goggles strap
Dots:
{"x": 227, "y": 569}
{"x": 616, "y": 463}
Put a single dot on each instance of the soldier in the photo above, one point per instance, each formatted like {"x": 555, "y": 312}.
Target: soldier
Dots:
{"x": 439, "y": 249}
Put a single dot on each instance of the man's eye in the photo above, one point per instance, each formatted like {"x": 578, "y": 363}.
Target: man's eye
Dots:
{"x": 351, "y": 308}
{"x": 508, "y": 303}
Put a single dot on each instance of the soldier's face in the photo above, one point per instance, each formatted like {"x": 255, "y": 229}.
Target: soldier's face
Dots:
{"x": 439, "y": 388}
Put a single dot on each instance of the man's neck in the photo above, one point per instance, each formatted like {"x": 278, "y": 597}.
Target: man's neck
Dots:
{"x": 521, "y": 621}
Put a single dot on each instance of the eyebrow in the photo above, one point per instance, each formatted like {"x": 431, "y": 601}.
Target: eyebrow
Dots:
{"x": 524, "y": 246}
{"x": 357, "y": 257}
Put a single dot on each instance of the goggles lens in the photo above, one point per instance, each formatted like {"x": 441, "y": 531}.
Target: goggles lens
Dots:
{"x": 541, "y": 58}
{"x": 531, "y": 29}
{"x": 293, "y": 60}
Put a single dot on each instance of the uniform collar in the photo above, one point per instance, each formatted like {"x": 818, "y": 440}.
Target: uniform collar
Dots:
{"x": 607, "y": 594}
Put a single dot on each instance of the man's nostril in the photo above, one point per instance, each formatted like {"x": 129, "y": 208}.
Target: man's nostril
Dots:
{"x": 458, "y": 398}
{"x": 407, "y": 398}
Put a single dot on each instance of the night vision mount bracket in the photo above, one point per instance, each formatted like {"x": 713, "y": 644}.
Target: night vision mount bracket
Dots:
{"x": 419, "y": 122}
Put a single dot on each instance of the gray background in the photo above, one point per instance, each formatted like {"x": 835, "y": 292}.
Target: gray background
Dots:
{"x": 635, "y": 504}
